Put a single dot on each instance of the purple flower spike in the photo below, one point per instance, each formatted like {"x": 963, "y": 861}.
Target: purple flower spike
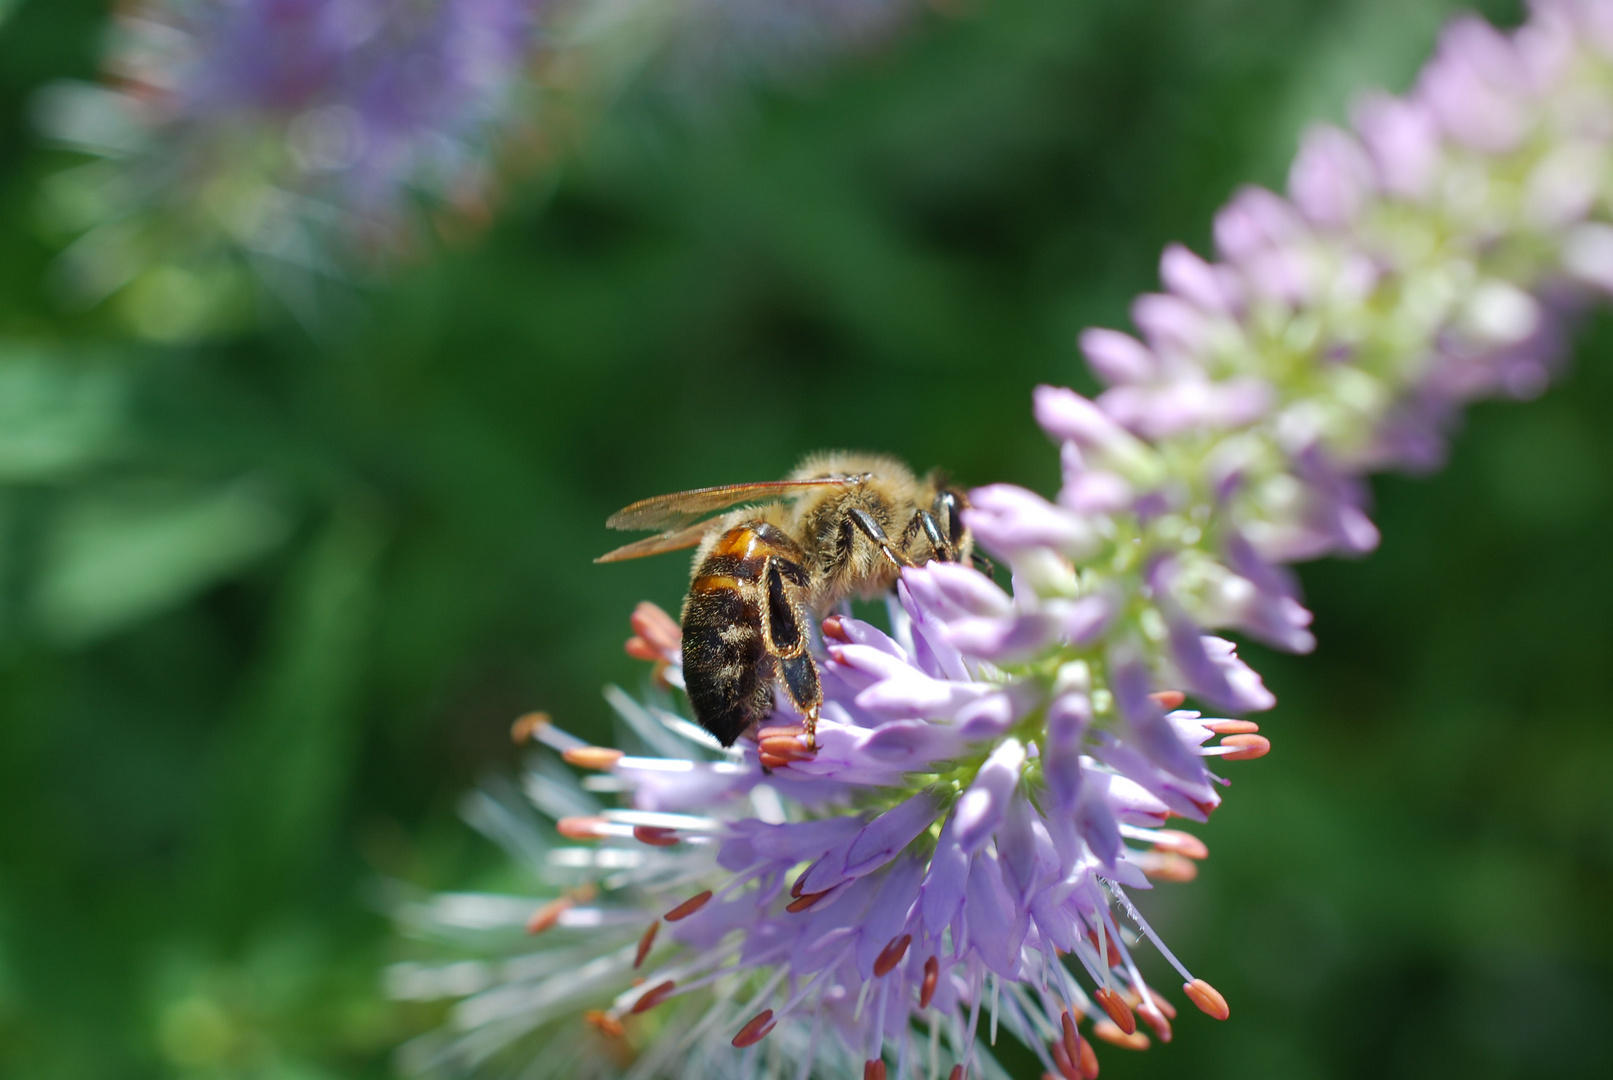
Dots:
{"x": 992, "y": 775}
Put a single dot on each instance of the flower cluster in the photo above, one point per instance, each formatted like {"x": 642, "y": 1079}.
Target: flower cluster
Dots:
{"x": 993, "y": 776}
{"x": 291, "y": 135}
{"x": 300, "y": 142}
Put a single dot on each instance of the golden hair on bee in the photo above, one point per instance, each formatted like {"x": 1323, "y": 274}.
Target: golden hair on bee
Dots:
{"x": 841, "y": 525}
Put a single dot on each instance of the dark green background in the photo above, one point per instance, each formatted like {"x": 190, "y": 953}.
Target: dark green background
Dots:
{"x": 268, "y": 606}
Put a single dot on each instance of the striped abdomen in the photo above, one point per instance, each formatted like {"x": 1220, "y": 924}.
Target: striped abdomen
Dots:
{"x": 744, "y": 626}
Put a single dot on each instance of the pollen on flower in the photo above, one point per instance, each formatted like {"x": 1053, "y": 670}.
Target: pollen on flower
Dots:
{"x": 604, "y": 1023}
{"x": 549, "y": 914}
{"x": 600, "y": 758}
{"x": 1117, "y": 1009}
{"x": 1112, "y": 1033}
{"x": 892, "y": 955}
{"x": 932, "y": 972}
{"x": 581, "y": 828}
{"x": 655, "y": 835}
{"x": 1247, "y": 747}
{"x": 654, "y": 996}
{"x": 646, "y": 943}
{"x": 755, "y": 1029}
{"x": 527, "y": 726}
{"x": 1207, "y": 998}
{"x": 688, "y": 907}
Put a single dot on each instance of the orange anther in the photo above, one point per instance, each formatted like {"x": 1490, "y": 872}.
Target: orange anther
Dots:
{"x": 932, "y": 974}
{"x": 874, "y": 1070}
{"x": 1207, "y": 998}
{"x": 957, "y": 1073}
{"x": 689, "y": 906}
{"x": 1168, "y": 866}
{"x": 524, "y": 728}
{"x": 773, "y": 761}
{"x": 1169, "y": 699}
{"x": 549, "y": 914}
{"x": 605, "y": 1023}
{"x": 805, "y": 900}
{"x": 646, "y": 943}
{"x": 834, "y": 631}
{"x": 789, "y": 731}
{"x": 654, "y": 996}
{"x": 1109, "y": 1032}
{"x": 1156, "y": 1020}
{"x": 754, "y": 1031}
{"x": 592, "y": 757}
{"x": 1248, "y": 746}
{"x": 892, "y": 955}
{"x": 1089, "y": 1061}
{"x": 580, "y": 828}
{"x": 654, "y": 835}
{"x": 1232, "y": 727}
{"x": 656, "y": 627}
{"x": 1163, "y": 1002}
{"x": 1072, "y": 1038}
{"x": 1062, "y": 1062}
{"x": 639, "y": 649}
{"x": 1182, "y": 843}
{"x": 787, "y": 747}
{"x": 1117, "y": 1009}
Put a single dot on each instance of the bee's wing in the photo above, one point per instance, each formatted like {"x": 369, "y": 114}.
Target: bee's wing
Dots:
{"x": 672, "y": 512}
{"x": 672, "y": 540}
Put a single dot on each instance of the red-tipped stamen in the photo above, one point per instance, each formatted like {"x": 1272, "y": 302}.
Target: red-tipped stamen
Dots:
{"x": 1110, "y": 1032}
{"x": 874, "y": 1070}
{"x": 527, "y": 726}
{"x": 1169, "y": 699}
{"x": 787, "y": 747}
{"x": 549, "y": 914}
{"x": 1207, "y": 998}
{"x": 654, "y": 996}
{"x": 1167, "y": 866}
{"x": 580, "y": 828}
{"x": 646, "y": 943}
{"x": 604, "y": 1023}
{"x": 892, "y": 955}
{"x": 833, "y": 630}
{"x": 773, "y": 761}
{"x": 656, "y": 627}
{"x": 688, "y": 907}
{"x": 1248, "y": 747}
{"x": 806, "y": 900}
{"x": 1182, "y": 843}
{"x": 1156, "y": 1020}
{"x": 1089, "y": 1061}
{"x": 932, "y": 975}
{"x": 1232, "y": 727}
{"x": 1117, "y": 1009}
{"x": 599, "y": 758}
{"x": 1072, "y": 1038}
{"x": 1163, "y": 1002}
{"x": 655, "y": 835}
{"x": 755, "y": 1030}
{"x": 1061, "y": 1061}
{"x": 958, "y": 1073}
{"x": 639, "y": 649}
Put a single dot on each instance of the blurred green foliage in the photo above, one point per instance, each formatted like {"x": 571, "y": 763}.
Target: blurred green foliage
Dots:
{"x": 268, "y": 606}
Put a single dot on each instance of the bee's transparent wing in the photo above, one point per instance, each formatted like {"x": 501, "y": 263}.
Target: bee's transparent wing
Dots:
{"x": 671, "y": 540}
{"x": 674, "y": 512}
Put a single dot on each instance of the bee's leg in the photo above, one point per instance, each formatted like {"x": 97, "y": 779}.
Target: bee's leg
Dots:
{"x": 786, "y": 633}
{"x": 982, "y": 564}
{"x": 871, "y": 528}
{"x": 940, "y": 544}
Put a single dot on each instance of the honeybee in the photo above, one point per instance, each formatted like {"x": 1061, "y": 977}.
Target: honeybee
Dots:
{"x": 842, "y": 525}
